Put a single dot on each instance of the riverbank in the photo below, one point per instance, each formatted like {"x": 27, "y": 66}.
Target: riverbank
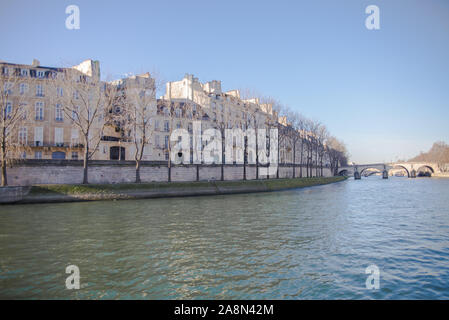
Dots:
{"x": 92, "y": 192}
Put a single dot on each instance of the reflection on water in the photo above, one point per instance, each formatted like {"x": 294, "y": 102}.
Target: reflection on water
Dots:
{"x": 305, "y": 243}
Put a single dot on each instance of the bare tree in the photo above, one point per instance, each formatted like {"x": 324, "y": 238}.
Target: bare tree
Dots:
{"x": 322, "y": 135}
{"x": 13, "y": 113}
{"x": 85, "y": 101}
{"x": 337, "y": 153}
{"x": 137, "y": 110}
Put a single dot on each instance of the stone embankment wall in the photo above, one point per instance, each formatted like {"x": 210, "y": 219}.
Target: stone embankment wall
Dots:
{"x": 32, "y": 172}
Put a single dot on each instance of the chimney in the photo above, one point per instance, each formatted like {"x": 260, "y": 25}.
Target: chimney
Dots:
{"x": 35, "y": 63}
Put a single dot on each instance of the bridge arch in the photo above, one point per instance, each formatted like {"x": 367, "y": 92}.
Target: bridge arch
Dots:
{"x": 397, "y": 166}
{"x": 343, "y": 172}
{"x": 427, "y": 167}
{"x": 372, "y": 168}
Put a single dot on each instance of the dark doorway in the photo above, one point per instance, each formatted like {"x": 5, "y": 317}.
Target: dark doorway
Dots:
{"x": 117, "y": 153}
{"x": 58, "y": 155}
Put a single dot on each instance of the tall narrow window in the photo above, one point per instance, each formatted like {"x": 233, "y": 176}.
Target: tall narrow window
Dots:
{"x": 23, "y": 139}
{"x": 39, "y": 110}
{"x": 23, "y": 88}
{"x": 39, "y": 90}
{"x": 75, "y": 113}
{"x": 38, "y": 136}
{"x": 59, "y": 137}
{"x": 58, "y": 113}
{"x": 74, "y": 139}
{"x": 8, "y": 109}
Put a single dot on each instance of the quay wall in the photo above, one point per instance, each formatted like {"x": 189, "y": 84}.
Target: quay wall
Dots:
{"x": 33, "y": 172}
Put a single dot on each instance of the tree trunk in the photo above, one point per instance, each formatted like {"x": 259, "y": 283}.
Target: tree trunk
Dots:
{"x": 222, "y": 155}
{"x": 294, "y": 159}
{"x": 277, "y": 167}
{"x": 244, "y": 157}
{"x": 4, "y": 176}
{"x": 138, "y": 172}
{"x": 86, "y": 164}
{"x": 257, "y": 157}
{"x": 301, "y": 158}
{"x": 197, "y": 172}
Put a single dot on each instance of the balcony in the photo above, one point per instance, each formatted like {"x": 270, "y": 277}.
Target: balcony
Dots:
{"x": 47, "y": 145}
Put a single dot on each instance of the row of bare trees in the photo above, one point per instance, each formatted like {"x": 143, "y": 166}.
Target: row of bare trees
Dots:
{"x": 302, "y": 141}
{"x": 130, "y": 105}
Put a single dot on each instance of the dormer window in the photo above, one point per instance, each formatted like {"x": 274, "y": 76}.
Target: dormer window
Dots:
{"x": 40, "y": 74}
{"x": 24, "y": 72}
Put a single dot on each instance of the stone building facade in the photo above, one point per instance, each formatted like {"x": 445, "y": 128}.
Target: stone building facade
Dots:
{"x": 46, "y": 131}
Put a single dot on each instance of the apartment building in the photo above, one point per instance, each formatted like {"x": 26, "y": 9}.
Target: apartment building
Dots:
{"x": 46, "y": 131}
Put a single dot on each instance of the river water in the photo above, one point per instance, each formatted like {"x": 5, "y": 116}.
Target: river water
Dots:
{"x": 312, "y": 243}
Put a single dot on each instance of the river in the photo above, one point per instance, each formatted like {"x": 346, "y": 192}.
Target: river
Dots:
{"x": 312, "y": 243}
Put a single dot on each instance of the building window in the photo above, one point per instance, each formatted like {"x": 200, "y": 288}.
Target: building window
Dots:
{"x": 8, "y": 110}
{"x": 58, "y": 113}
{"x": 75, "y": 94}
{"x": 156, "y": 124}
{"x": 23, "y": 88}
{"x": 166, "y": 126}
{"x": 24, "y": 72}
{"x": 7, "y": 88}
{"x": 166, "y": 155}
{"x": 166, "y": 142}
{"x": 59, "y": 92}
{"x": 38, "y": 136}
{"x": 23, "y": 136}
{"x": 39, "y": 90}
{"x": 38, "y": 155}
{"x": 5, "y": 71}
{"x": 39, "y": 110}
{"x": 75, "y": 113}
{"x": 23, "y": 108}
{"x": 156, "y": 141}
{"x": 24, "y": 155}
{"x": 74, "y": 155}
{"x": 74, "y": 139}
{"x": 59, "y": 137}
{"x": 40, "y": 74}
{"x": 178, "y": 125}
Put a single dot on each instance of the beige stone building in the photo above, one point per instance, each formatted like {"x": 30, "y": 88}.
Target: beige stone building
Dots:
{"x": 46, "y": 130}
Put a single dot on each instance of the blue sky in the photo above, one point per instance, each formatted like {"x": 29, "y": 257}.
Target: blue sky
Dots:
{"x": 384, "y": 92}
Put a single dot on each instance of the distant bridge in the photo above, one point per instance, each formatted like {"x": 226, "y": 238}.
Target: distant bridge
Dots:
{"x": 412, "y": 168}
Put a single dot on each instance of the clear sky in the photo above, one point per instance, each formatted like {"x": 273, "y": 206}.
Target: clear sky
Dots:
{"x": 384, "y": 92}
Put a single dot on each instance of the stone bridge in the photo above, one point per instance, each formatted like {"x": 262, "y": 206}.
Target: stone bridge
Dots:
{"x": 412, "y": 169}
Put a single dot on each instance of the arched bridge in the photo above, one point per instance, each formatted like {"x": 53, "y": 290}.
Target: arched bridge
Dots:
{"x": 412, "y": 169}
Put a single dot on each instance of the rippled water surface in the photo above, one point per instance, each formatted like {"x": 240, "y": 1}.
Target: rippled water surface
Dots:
{"x": 312, "y": 243}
